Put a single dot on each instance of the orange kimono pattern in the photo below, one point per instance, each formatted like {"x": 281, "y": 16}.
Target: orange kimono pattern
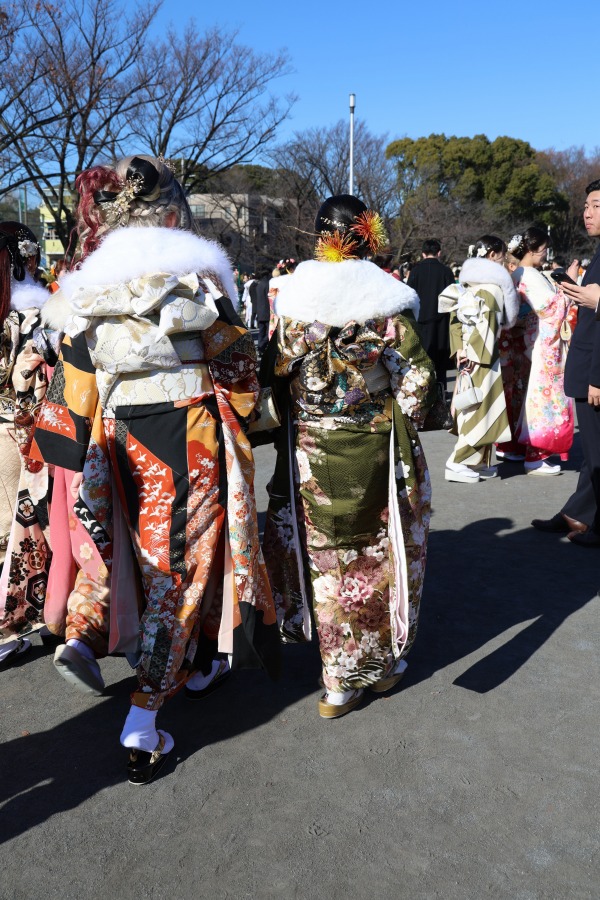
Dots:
{"x": 183, "y": 472}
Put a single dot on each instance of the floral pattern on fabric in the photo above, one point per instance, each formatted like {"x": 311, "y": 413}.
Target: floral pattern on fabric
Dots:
{"x": 515, "y": 365}
{"x": 332, "y": 367}
{"x": 168, "y": 457}
{"x": 23, "y": 384}
{"x": 547, "y": 418}
{"x": 350, "y": 448}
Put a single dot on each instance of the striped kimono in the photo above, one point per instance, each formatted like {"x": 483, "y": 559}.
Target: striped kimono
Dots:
{"x": 476, "y": 316}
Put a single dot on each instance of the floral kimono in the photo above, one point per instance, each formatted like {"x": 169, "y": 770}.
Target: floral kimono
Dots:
{"x": 25, "y": 348}
{"x": 480, "y": 305}
{"x": 149, "y": 400}
{"x": 546, "y": 422}
{"x": 348, "y": 518}
{"x": 515, "y": 365}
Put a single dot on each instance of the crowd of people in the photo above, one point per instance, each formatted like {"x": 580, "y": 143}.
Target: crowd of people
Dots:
{"x": 131, "y": 401}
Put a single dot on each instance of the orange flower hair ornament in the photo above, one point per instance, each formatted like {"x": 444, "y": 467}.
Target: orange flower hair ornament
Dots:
{"x": 368, "y": 228}
{"x": 333, "y": 246}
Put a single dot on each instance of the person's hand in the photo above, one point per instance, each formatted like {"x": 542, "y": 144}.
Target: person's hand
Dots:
{"x": 463, "y": 362}
{"x": 76, "y": 484}
{"x": 573, "y": 270}
{"x": 593, "y": 395}
{"x": 584, "y": 296}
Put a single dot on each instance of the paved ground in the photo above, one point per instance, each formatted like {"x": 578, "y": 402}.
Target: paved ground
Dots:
{"x": 478, "y": 779}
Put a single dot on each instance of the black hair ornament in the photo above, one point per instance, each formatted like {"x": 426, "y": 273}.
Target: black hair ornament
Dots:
{"x": 141, "y": 183}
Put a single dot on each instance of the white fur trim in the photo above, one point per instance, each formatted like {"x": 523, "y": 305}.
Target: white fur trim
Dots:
{"x": 484, "y": 271}
{"x": 129, "y": 253}
{"x": 56, "y": 312}
{"x": 27, "y": 295}
{"x": 335, "y": 293}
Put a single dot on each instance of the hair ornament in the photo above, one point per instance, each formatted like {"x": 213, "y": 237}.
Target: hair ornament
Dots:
{"x": 168, "y": 163}
{"x": 27, "y": 247}
{"x": 369, "y": 228}
{"x": 141, "y": 181}
{"x": 514, "y": 243}
{"x": 482, "y": 251}
{"x": 335, "y": 247}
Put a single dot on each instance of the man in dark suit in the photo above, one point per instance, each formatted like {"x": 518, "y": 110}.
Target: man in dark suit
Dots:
{"x": 429, "y": 278}
{"x": 259, "y": 294}
{"x": 580, "y": 516}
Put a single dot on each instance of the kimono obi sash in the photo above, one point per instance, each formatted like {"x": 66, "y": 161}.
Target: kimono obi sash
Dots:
{"x": 469, "y": 308}
{"x": 145, "y": 338}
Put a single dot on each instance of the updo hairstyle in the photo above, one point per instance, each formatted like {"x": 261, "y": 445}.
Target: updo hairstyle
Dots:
{"x": 488, "y": 243}
{"x": 18, "y": 244}
{"x": 339, "y": 214}
{"x": 138, "y": 191}
{"x": 531, "y": 240}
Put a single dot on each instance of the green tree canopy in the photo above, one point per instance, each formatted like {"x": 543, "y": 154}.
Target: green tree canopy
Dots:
{"x": 504, "y": 174}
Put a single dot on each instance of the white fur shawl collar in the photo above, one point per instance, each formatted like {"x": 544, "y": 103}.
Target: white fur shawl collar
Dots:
{"x": 129, "y": 253}
{"x": 476, "y": 271}
{"x": 27, "y": 294}
{"x": 56, "y": 312}
{"x": 336, "y": 293}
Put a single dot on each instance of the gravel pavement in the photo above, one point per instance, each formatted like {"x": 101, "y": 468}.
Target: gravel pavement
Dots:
{"x": 477, "y": 779}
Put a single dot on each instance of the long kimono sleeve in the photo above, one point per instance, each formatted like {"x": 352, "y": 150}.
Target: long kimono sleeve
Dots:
{"x": 292, "y": 345}
{"x": 480, "y": 343}
{"x": 412, "y": 374}
{"x": 456, "y": 335}
{"x": 231, "y": 358}
{"x": 64, "y": 425}
{"x": 29, "y": 383}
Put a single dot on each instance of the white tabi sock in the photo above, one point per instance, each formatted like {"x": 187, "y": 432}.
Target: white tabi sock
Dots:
{"x": 338, "y": 698}
{"x": 139, "y": 731}
{"x": 199, "y": 681}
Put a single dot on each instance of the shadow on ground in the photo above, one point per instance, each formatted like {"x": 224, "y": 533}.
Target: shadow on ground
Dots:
{"x": 56, "y": 770}
{"x": 481, "y": 582}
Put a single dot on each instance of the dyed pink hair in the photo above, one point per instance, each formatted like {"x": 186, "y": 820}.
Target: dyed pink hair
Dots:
{"x": 89, "y": 219}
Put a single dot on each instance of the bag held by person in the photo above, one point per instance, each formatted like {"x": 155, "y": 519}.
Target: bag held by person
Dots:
{"x": 467, "y": 397}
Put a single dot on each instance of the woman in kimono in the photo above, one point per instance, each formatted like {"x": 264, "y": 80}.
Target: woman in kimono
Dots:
{"x": 546, "y": 422}
{"x": 483, "y": 302}
{"x": 149, "y": 401}
{"x": 24, "y": 350}
{"x": 515, "y": 365}
{"x": 347, "y": 524}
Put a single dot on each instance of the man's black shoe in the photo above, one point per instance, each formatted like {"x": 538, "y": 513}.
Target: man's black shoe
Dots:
{"x": 556, "y": 524}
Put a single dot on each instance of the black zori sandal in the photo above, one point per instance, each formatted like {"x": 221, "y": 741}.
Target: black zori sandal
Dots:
{"x": 143, "y": 766}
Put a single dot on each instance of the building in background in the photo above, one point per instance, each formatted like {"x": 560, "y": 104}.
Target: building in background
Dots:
{"x": 249, "y": 225}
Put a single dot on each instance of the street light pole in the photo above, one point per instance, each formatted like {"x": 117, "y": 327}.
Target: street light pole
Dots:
{"x": 351, "y": 179}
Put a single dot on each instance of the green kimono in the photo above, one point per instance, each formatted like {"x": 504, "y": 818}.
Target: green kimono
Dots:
{"x": 348, "y": 518}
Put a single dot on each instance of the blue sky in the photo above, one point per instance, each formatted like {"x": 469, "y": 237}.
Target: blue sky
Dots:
{"x": 528, "y": 70}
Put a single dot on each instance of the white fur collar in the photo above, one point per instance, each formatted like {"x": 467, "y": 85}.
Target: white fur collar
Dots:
{"x": 129, "y": 253}
{"x": 335, "y": 293}
{"x": 56, "y": 312}
{"x": 476, "y": 271}
{"x": 27, "y": 294}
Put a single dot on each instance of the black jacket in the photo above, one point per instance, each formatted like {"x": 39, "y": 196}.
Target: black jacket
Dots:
{"x": 259, "y": 291}
{"x": 583, "y": 359}
{"x": 428, "y": 279}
